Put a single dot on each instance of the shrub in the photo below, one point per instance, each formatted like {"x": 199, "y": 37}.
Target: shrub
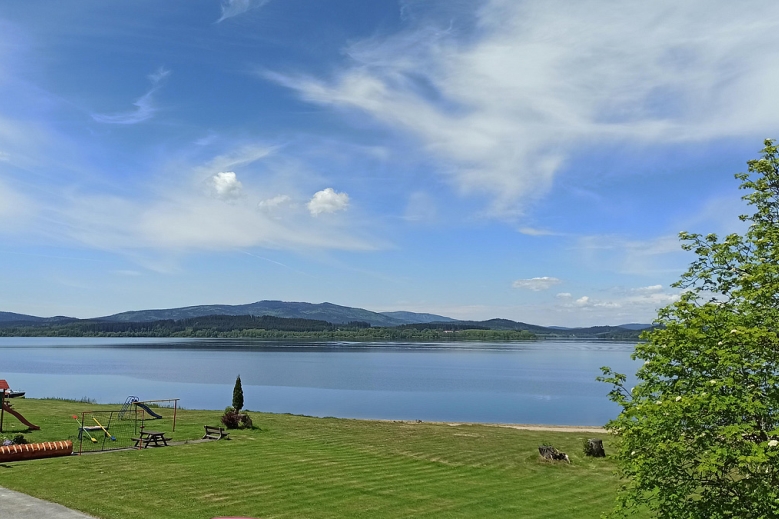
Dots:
{"x": 230, "y": 418}
{"x": 19, "y": 439}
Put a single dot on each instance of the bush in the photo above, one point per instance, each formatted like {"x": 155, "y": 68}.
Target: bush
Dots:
{"x": 230, "y": 418}
{"x": 19, "y": 439}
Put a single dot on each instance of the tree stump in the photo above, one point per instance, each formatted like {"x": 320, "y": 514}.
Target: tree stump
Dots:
{"x": 550, "y": 453}
{"x": 594, "y": 448}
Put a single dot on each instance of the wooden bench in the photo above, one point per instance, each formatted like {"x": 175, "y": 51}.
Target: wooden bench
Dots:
{"x": 214, "y": 433}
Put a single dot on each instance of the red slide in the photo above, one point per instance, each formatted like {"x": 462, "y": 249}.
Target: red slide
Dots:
{"x": 7, "y": 408}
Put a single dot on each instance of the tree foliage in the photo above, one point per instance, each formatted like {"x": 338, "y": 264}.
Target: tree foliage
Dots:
{"x": 699, "y": 433}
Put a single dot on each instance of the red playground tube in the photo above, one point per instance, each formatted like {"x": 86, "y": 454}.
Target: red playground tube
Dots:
{"x": 31, "y": 451}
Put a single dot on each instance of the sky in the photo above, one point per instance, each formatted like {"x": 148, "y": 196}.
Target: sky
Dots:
{"x": 528, "y": 160}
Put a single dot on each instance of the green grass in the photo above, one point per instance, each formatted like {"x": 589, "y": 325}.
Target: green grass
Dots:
{"x": 295, "y": 466}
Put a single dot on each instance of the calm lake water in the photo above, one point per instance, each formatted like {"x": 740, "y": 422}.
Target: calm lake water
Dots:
{"x": 537, "y": 382}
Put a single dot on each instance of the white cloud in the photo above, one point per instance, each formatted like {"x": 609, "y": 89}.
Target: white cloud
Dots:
{"x": 327, "y": 201}
{"x": 564, "y": 295}
{"x": 226, "y": 185}
{"x": 144, "y": 106}
{"x": 232, "y": 8}
{"x": 536, "y": 284}
{"x": 502, "y": 106}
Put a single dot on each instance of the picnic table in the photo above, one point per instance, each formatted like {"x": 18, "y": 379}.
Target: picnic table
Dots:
{"x": 148, "y": 437}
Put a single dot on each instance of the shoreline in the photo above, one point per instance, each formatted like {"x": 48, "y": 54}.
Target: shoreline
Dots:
{"x": 522, "y": 427}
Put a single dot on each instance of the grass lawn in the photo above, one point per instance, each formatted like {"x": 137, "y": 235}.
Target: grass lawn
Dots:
{"x": 296, "y": 466}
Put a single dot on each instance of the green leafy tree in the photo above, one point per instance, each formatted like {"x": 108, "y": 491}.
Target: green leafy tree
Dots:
{"x": 698, "y": 435}
{"x": 238, "y": 395}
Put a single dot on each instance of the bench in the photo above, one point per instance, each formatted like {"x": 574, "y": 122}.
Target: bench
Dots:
{"x": 214, "y": 433}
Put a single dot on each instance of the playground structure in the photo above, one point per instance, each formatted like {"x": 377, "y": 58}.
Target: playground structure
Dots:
{"x": 144, "y": 405}
{"x": 114, "y": 430}
{"x": 5, "y": 407}
{"x": 30, "y": 451}
{"x": 107, "y": 430}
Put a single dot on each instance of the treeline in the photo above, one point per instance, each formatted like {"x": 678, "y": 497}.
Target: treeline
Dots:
{"x": 261, "y": 327}
{"x": 442, "y": 326}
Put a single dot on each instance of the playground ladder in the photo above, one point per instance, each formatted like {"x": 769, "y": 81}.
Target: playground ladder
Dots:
{"x": 127, "y": 403}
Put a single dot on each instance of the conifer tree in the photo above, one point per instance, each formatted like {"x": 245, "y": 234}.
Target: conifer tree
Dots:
{"x": 238, "y": 395}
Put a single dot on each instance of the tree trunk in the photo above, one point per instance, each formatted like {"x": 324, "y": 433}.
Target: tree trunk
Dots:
{"x": 595, "y": 448}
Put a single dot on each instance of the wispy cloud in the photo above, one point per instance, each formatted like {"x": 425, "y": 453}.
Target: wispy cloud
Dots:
{"x": 232, "y": 8}
{"x": 536, "y": 284}
{"x": 176, "y": 214}
{"x": 649, "y": 302}
{"x": 15, "y": 208}
{"x": 144, "y": 106}
{"x": 504, "y": 104}
{"x": 651, "y": 289}
{"x": 421, "y": 207}
{"x": 532, "y": 231}
{"x": 273, "y": 204}
{"x": 662, "y": 255}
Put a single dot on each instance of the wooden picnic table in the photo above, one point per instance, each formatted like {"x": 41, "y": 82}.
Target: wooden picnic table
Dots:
{"x": 148, "y": 437}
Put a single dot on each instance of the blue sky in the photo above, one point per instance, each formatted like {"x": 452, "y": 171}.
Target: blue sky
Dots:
{"x": 531, "y": 160}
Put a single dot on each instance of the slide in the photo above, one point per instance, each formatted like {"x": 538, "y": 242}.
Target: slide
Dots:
{"x": 7, "y": 408}
{"x": 149, "y": 411}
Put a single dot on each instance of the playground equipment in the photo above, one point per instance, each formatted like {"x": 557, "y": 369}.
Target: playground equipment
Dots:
{"x": 104, "y": 430}
{"x": 143, "y": 404}
{"x": 82, "y": 430}
{"x": 5, "y": 407}
{"x": 31, "y": 451}
{"x": 113, "y": 438}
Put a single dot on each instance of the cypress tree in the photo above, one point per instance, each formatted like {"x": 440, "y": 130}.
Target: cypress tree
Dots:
{"x": 238, "y": 395}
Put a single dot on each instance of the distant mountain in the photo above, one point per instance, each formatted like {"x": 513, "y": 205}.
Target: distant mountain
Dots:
{"x": 329, "y": 312}
{"x": 413, "y": 317}
{"x": 635, "y": 326}
{"x": 11, "y": 317}
{"x": 334, "y": 314}
{"x": 594, "y": 332}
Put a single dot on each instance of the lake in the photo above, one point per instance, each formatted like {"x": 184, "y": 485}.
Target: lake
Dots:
{"x": 551, "y": 382}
